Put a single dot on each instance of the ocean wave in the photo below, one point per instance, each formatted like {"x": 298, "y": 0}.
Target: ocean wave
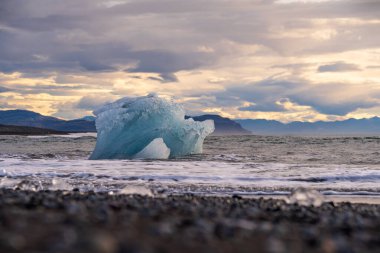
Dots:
{"x": 351, "y": 178}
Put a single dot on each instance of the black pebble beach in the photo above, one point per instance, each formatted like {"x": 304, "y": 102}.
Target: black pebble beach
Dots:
{"x": 57, "y": 221}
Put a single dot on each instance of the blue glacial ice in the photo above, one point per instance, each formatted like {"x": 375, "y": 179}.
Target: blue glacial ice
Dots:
{"x": 148, "y": 127}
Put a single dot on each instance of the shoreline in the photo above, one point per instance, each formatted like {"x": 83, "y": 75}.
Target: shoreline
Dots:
{"x": 27, "y": 131}
{"x": 353, "y": 199}
{"x": 73, "y": 221}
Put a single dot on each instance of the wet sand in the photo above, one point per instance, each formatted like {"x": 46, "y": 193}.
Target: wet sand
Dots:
{"x": 56, "y": 221}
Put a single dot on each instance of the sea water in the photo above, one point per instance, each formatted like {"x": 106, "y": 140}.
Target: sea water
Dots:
{"x": 245, "y": 165}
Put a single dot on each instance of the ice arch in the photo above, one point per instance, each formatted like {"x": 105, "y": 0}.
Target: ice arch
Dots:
{"x": 149, "y": 127}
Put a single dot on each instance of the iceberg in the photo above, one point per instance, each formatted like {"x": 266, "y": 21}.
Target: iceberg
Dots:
{"x": 148, "y": 127}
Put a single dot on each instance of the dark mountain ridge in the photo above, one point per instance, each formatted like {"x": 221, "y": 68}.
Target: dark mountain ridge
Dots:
{"x": 223, "y": 126}
{"x": 33, "y": 119}
{"x": 24, "y": 130}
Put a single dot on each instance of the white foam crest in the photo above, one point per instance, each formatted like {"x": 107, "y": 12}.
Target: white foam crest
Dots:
{"x": 70, "y": 135}
{"x": 305, "y": 197}
{"x": 252, "y": 176}
{"x": 136, "y": 190}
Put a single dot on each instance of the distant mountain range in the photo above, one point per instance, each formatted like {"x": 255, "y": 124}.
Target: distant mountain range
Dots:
{"x": 223, "y": 126}
{"x": 33, "y": 119}
{"x": 345, "y": 127}
{"x": 23, "y": 130}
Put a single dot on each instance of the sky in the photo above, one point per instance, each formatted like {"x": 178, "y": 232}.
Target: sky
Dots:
{"x": 286, "y": 60}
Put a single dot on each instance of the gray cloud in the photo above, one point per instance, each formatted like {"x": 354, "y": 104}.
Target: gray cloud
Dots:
{"x": 268, "y": 107}
{"x": 3, "y": 89}
{"x": 165, "y": 78}
{"x": 165, "y": 62}
{"x": 72, "y": 38}
{"x": 338, "y": 67}
{"x": 92, "y": 102}
{"x": 55, "y": 90}
{"x": 169, "y": 77}
{"x": 162, "y": 36}
{"x": 326, "y": 98}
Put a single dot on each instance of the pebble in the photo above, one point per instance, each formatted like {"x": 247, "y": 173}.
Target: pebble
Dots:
{"x": 63, "y": 221}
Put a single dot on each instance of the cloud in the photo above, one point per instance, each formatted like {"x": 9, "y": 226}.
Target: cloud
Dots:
{"x": 168, "y": 77}
{"x": 5, "y": 105}
{"x": 268, "y": 107}
{"x": 91, "y": 102}
{"x": 93, "y": 36}
{"x": 165, "y": 78}
{"x": 83, "y": 107}
{"x": 56, "y": 90}
{"x": 4, "y": 89}
{"x": 338, "y": 67}
{"x": 373, "y": 67}
{"x": 192, "y": 48}
{"x": 166, "y": 63}
{"x": 271, "y": 95}
{"x": 67, "y": 110}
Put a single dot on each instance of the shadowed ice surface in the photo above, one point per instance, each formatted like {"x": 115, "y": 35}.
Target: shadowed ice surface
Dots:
{"x": 147, "y": 127}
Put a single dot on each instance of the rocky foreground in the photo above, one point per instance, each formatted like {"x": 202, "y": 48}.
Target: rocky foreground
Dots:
{"x": 55, "y": 221}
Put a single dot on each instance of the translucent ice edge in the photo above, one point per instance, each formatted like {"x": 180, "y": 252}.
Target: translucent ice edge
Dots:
{"x": 147, "y": 127}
